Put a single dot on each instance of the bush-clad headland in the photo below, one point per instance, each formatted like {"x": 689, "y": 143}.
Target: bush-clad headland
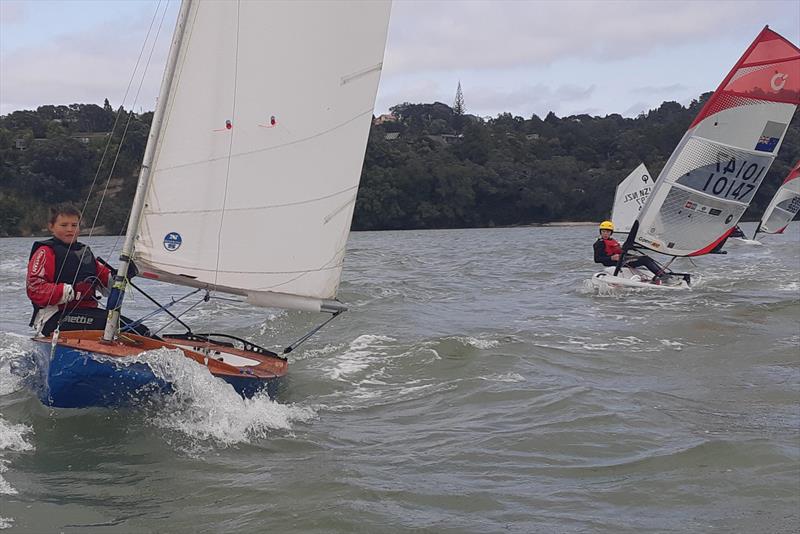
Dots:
{"x": 426, "y": 165}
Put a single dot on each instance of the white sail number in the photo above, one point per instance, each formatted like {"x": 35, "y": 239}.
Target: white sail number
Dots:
{"x": 733, "y": 179}
{"x": 638, "y": 196}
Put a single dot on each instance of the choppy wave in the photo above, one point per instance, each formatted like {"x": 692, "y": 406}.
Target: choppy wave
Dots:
{"x": 208, "y": 411}
{"x": 13, "y": 438}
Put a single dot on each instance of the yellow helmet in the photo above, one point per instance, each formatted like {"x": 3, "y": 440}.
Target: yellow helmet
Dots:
{"x": 607, "y": 225}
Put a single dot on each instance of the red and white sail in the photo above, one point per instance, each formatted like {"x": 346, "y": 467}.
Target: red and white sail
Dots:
{"x": 784, "y": 205}
{"x": 714, "y": 173}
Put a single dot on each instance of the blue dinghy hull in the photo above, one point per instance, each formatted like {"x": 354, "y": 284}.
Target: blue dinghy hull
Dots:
{"x": 98, "y": 375}
{"x": 74, "y": 378}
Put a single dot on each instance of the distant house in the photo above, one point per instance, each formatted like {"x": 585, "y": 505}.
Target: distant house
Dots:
{"x": 86, "y": 137}
{"x": 452, "y": 138}
{"x": 391, "y": 136}
{"x": 386, "y": 117}
{"x": 19, "y": 144}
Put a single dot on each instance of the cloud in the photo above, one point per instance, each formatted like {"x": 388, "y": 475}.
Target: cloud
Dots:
{"x": 12, "y": 12}
{"x": 486, "y": 100}
{"x": 663, "y": 90}
{"x": 526, "y": 99}
{"x": 518, "y": 56}
{"x": 79, "y": 67}
{"x": 512, "y": 34}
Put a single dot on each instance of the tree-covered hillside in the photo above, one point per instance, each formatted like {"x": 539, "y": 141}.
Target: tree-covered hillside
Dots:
{"x": 446, "y": 170}
{"x": 426, "y": 166}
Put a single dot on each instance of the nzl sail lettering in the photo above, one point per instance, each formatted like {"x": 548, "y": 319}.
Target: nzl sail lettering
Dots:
{"x": 733, "y": 179}
{"x": 639, "y": 196}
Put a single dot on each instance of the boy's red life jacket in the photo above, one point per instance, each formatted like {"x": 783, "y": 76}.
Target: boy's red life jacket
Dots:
{"x": 53, "y": 264}
{"x": 612, "y": 246}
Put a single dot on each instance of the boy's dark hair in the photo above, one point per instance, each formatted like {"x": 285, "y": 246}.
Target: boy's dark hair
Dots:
{"x": 63, "y": 209}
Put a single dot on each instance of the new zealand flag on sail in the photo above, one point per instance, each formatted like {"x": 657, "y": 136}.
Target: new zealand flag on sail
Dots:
{"x": 770, "y": 137}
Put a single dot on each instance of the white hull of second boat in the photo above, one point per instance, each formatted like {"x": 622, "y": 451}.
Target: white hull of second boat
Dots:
{"x": 747, "y": 241}
{"x": 635, "y": 279}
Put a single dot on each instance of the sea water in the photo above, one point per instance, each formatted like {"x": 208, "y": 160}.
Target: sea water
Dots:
{"x": 477, "y": 384}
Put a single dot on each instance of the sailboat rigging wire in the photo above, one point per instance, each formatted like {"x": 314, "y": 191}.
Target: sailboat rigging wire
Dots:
{"x": 664, "y": 267}
{"x": 163, "y": 307}
{"x": 133, "y": 106}
{"x": 122, "y": 137}
{"x": 130, "y": 114}
{"x": 108, "y": 144}
{"x": 303, "y": 339}
{"x": 154, "y": 301}
{"x": 187, "y": 310}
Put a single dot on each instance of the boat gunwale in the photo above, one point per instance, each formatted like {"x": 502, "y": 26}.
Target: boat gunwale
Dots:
{"x": 130, "y": 345}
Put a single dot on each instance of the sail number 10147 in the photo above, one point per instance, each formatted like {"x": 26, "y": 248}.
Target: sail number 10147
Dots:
{"x": 734, "y": 179}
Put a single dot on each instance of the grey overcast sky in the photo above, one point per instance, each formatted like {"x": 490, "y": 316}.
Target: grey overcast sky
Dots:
{"x": 523, "y": 57}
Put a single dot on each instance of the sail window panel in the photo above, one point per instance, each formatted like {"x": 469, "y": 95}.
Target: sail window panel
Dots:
{"x": 776, "y": 221}
{"x": 790, "y": 204}
{"x": 698, "y": 155}
{"x": 727, "y": 174}
{"x": 688, "y": 222}
{"x": 781, "y": 210}
{"x": 743, "y": 126}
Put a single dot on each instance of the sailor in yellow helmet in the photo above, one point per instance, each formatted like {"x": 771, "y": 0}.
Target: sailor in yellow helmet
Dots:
{"x": 607, "y": 251}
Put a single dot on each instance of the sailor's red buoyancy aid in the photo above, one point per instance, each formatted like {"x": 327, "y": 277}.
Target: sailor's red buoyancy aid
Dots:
{"x": 74, "y": 264}
{"x": 612, "y": 247}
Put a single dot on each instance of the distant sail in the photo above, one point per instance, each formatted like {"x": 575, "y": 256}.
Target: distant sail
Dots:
{"x": 713, "y": 174}
{"x": 257, "y": 168}
{"x": 631, "y": 195}
{"x": 784, "y": 205}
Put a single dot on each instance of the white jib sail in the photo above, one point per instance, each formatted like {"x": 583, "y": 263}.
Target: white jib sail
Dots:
{"x": 713, "y": 174}
{"x": 630, "y": 197}
{"x": 784, "y": 205}
{"x": 257, "y": 168}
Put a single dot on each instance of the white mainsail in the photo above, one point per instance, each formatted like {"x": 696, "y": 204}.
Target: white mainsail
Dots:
{"x": 713, "y": 174}
{"x": 256, "y": 170}
{"x": 784, "y": 205}
{"x": 629, "y": 198}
